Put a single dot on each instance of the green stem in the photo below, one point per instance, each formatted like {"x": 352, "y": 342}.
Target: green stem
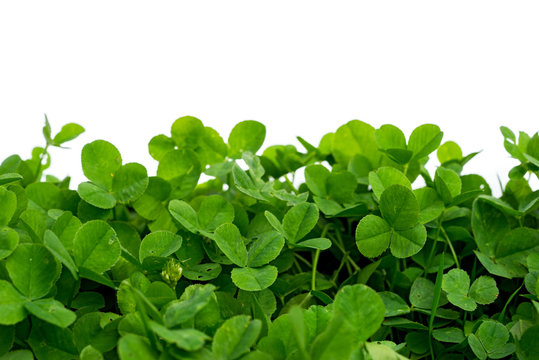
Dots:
{"x": 336, "y": 274}
{"x": 341, "y": 247}
{"x": 41, "y": 157}
{"x": 287, "y": 180}
{"x": 451, "y": 248}
{"x": 432, "y": 250}
{"x": 315, "y": 264}
{"x": 502, "y": 314}
{"x": 302, "y": 259}
{"x": 298, "y": 266}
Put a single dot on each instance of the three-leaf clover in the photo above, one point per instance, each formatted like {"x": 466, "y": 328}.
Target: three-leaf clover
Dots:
{"x": 456, "y": 283}
{"x": 398, "y": 228}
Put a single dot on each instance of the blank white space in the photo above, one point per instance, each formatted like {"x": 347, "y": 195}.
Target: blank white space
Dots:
{"x": 125, "y": 70}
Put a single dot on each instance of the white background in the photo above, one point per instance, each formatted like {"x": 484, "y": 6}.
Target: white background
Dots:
{"x": 125, "y": 70}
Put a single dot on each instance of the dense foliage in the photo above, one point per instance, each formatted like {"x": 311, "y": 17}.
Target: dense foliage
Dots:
{"x": 354, "y": 263}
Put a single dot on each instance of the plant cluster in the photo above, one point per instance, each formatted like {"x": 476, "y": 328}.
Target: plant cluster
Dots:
{"x": 354, "y": 263}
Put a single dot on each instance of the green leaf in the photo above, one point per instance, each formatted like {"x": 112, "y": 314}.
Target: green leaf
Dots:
{"x": 362, "y": 310}
{"x": 449, "y": 335}
{"x": 507, "y": 133}
{"x": 202, "y": 272}
{"x": 449, "y": 151}
{"x": 159, "y": 244}
{"x": 51, "y": 311}
{"x": 186, "y": 131}
{"x": 315, "y": 178}
{"x": 69, "y": 132}
{"x": 373, "y": 235}
{"x": 394, "y": 304}
{"x": 316, "y": 243}
{"x": 341, "y": 185}
{"x": 274, "y": 222}
{"x": 9, "y": 239}
{"x": 159, "y": 294}
{"x": 150, "y": 204}
{"x": 355, "y": 138}
{"x": 299, "y": 221}
{"x": 235, "y": 337}
{"x": 529, "y": 346}
{"x": 96, "y": 195}
{"x": 430, "y": 205}
{"x": 160, "y": 145}
{"x": 424, "y": 140}
{"x": 422, "y": 293}
{"x": 228, "y": 238}
{"x": 490, "y": 340}
{"x": 213, "y": 212}
{"x": 55, "y": 246}
{"x": 184, "y": 214}
{"x": 100, "y": 160}
{"x": 182, "y": 169}
{"x": 183, "y": 310}
{"x": 18, "y": 355}
{"x": 518, "y": 244}
{"x": 129, "y": 182}
{"x": 33, "y": 270}
{"x": 400, "y": 156}
{"x": 7, "y": 336}
{"x": 489, "y": 226}
{"x": 265, "y": 249}
{"x": 456, "y": 284}
{"x": 96, "y": 246}
{"x": 11, "y": 304}
{"x": 390, "y": 137}
{"x": 186, "y": 339}
{"x": 386, "y": 176}
{"x": 399, "y": 207}
{"x": 8, "y": 205}
{"x": 90, "y": 353}
{"x": 133, "y": 346}
{"x": 247, "y": 135}
{"x": 10, "y": 177}
{"x": 484, "y": 290}
{"x": 254, "y": 279}
{"x": 405, "y": 243}
{"x": 447, "y": 184}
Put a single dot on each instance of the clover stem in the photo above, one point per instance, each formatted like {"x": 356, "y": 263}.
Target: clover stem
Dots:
{"x": 346, "y": 253}
{"x": 431, "y": 254}
{"x": 336, "y": 273}
{"x": 298, "y": 266}
{"x": 502, "y": 314}
{"x": 287, "y": 180}
{"x": 315, "y": 264}
{"x": 451, "y": 248}
{"x": 305, "y": 261}
{"x": 41, "y": 157}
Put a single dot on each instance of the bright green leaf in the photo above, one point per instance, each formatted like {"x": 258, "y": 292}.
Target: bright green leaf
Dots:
{"x": 247, "y": 135}
{"x": 51, "y": 311}
{"x": 11, "y": 304}
{"x": 399, "y": 207}
{"x": 100, "y": 160}
{"x": 254, "y": 279}
{"x": 96, "y": 246}
{"x": 159, "y": 244}
{"x": 235, "y": 337}
{"x": 96, "y": 195}
{"x": 228, "y": 238}
{"x": 33, "y": 270}
{"x": 299, "y": 221}
{"x": 373, "y": 235}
